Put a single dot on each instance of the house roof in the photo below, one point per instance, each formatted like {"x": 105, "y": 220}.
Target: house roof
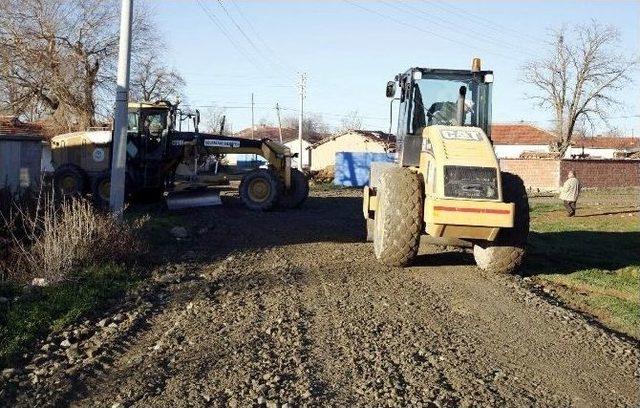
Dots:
{"x": 607, "y": 142}
{"x": 520, "y": 134}
{"x": 13, "y": 129}
{"x": 373, "y": 135}
{"x": 271, "y": 132}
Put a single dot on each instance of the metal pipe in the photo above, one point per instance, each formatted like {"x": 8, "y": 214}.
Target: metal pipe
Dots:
{"x": 460, "y": 106}
{"x": 119, "y": 154}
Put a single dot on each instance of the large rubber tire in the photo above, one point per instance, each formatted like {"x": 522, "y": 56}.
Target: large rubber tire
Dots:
{"x": 101, "y": 190}
{"x": 398, "y": 218}
{"x": 260, "y": 189}
{"x": 298, "y": 193}
{"x": 69, "y": 180}
{"x": 506, "y": 253}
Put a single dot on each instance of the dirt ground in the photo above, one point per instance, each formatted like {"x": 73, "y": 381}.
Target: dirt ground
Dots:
{"x": 290, "y": 308}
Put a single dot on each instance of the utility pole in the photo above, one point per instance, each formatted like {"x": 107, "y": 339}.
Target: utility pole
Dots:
{"x": 301, "y": 86}
{"x": 279, "y": 121}
{"x": 252, "y": 116}
{"x": 119, "y": 158}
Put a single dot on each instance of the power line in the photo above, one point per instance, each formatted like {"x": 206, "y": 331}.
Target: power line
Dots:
{"x": 247, "y": 38}
{"x": 486, "y": 23}
{"x": 458, "y": 30}
{"x": 224, "y": 31}
{"x": 431, "y": 33}
{"x": 260, "y": 37}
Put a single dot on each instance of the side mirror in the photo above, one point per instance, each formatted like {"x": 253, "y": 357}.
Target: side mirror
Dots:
{"x": 391, "y": 89}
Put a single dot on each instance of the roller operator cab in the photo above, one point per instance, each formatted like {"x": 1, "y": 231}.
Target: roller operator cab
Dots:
{"x": 447, "y": 181}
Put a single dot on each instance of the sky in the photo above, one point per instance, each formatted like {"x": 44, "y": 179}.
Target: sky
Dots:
{"x": 228, "y": 49}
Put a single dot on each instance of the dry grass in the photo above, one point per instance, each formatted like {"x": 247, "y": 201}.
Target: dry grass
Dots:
{"x": 53, "y": 239}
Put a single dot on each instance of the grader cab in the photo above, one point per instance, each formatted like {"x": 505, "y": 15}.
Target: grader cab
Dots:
{"x": 447, "y": 181}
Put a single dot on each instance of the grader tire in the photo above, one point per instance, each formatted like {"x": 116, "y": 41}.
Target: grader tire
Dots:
{"x": 398, "y": 218}
{"x": 69, "y": 181}
{"x": 260, "y": 189}
{"x": 298, "y": 193}
{"x": 101, "y": 190}
{"x": 506, "y": 253}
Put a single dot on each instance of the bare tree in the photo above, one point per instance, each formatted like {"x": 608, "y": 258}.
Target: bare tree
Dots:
{"x": 151, "y": 80}
{"x": 351, "y": 121}
{"x": 213, "y": 121}
{"x": 58, "y": 57}
{"x": 580, "y": 77}
{"x": 313, "y": 126}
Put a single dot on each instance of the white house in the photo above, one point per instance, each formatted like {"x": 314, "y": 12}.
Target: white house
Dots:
{"x": 512, "y": 140}
{"x": 323, "y": 152}
{"x": 289, "y": 139}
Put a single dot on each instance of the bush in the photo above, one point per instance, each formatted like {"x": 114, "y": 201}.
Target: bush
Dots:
{"x": 52, "y": 240}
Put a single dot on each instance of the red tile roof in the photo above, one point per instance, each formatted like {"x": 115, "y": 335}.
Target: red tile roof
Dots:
{"x": 519, "y": 134}
{"x": 271, "y": 132}
{"x": 526, "y": 134}
{"x": 606, "y": 142}
{"x": 12, "y": 128}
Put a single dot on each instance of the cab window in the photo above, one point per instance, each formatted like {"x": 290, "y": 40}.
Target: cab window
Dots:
{"x": 133, "y": 122}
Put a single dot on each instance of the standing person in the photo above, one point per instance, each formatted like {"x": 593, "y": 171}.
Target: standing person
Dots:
{"x": 570, "y": 192}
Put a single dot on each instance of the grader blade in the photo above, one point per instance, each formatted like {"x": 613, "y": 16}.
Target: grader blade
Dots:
{"x": 204, "y": 197}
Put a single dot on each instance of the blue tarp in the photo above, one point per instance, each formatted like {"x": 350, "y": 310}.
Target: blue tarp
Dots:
{"x": 352, "y": 168}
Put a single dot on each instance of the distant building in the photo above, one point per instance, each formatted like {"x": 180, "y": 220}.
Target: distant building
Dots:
{"x": 510, "y": 141}
{"x": 289, "y": 139}
{"x": 323, "y": 152}
{"x": 20, "y": 154}
{"x": 602, "y": 147}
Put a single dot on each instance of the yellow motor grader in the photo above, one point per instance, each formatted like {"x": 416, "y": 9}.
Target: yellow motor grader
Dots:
{"x": 156, "y": 146}
{"x": 447, "y": 181}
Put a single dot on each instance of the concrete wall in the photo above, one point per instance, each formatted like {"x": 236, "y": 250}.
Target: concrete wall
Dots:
{"x": 602, "y": 153}
{"x": 537, "y": 174}
{"x": 603, "y": 173}
{"x": 324, "y": 155}
{"x": 548, "y": 175}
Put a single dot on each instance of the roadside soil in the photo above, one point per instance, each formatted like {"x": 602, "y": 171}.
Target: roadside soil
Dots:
{"x": 290, "y": 308}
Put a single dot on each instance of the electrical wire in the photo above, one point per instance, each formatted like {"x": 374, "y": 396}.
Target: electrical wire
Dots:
{"x": 418, "y": 28}
{"x": 473, "y": 34}
{"x": 486, "y": 23}
{"x": 261, "y": 38}
{"x": 224, "y": 31}
{"x": 251, "y": 43}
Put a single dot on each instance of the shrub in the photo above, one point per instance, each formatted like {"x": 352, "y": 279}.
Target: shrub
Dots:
{"x": 53, "y": 239}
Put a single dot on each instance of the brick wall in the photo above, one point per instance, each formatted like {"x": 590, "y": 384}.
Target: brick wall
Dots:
{"x": 537, "y": 174}
{"x": 548, "y": 175}
{"x": 603, "y": 173}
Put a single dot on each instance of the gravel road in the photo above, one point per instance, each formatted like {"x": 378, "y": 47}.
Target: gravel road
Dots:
{"x": 291, "y": 309}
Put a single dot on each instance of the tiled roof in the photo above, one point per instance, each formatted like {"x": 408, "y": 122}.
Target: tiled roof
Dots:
{"x": 373, "y": 135}
{"x": 519, "y": 134}
{"x": 12, "y": 128}
{"x": 271, "y": 132}
{"x": 607, "y": 142}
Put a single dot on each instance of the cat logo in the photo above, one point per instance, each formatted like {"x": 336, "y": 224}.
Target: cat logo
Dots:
{"x": 470, "y": 135}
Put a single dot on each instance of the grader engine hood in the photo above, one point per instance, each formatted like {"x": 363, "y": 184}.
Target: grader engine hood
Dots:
{"x": 89, "y": 150}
